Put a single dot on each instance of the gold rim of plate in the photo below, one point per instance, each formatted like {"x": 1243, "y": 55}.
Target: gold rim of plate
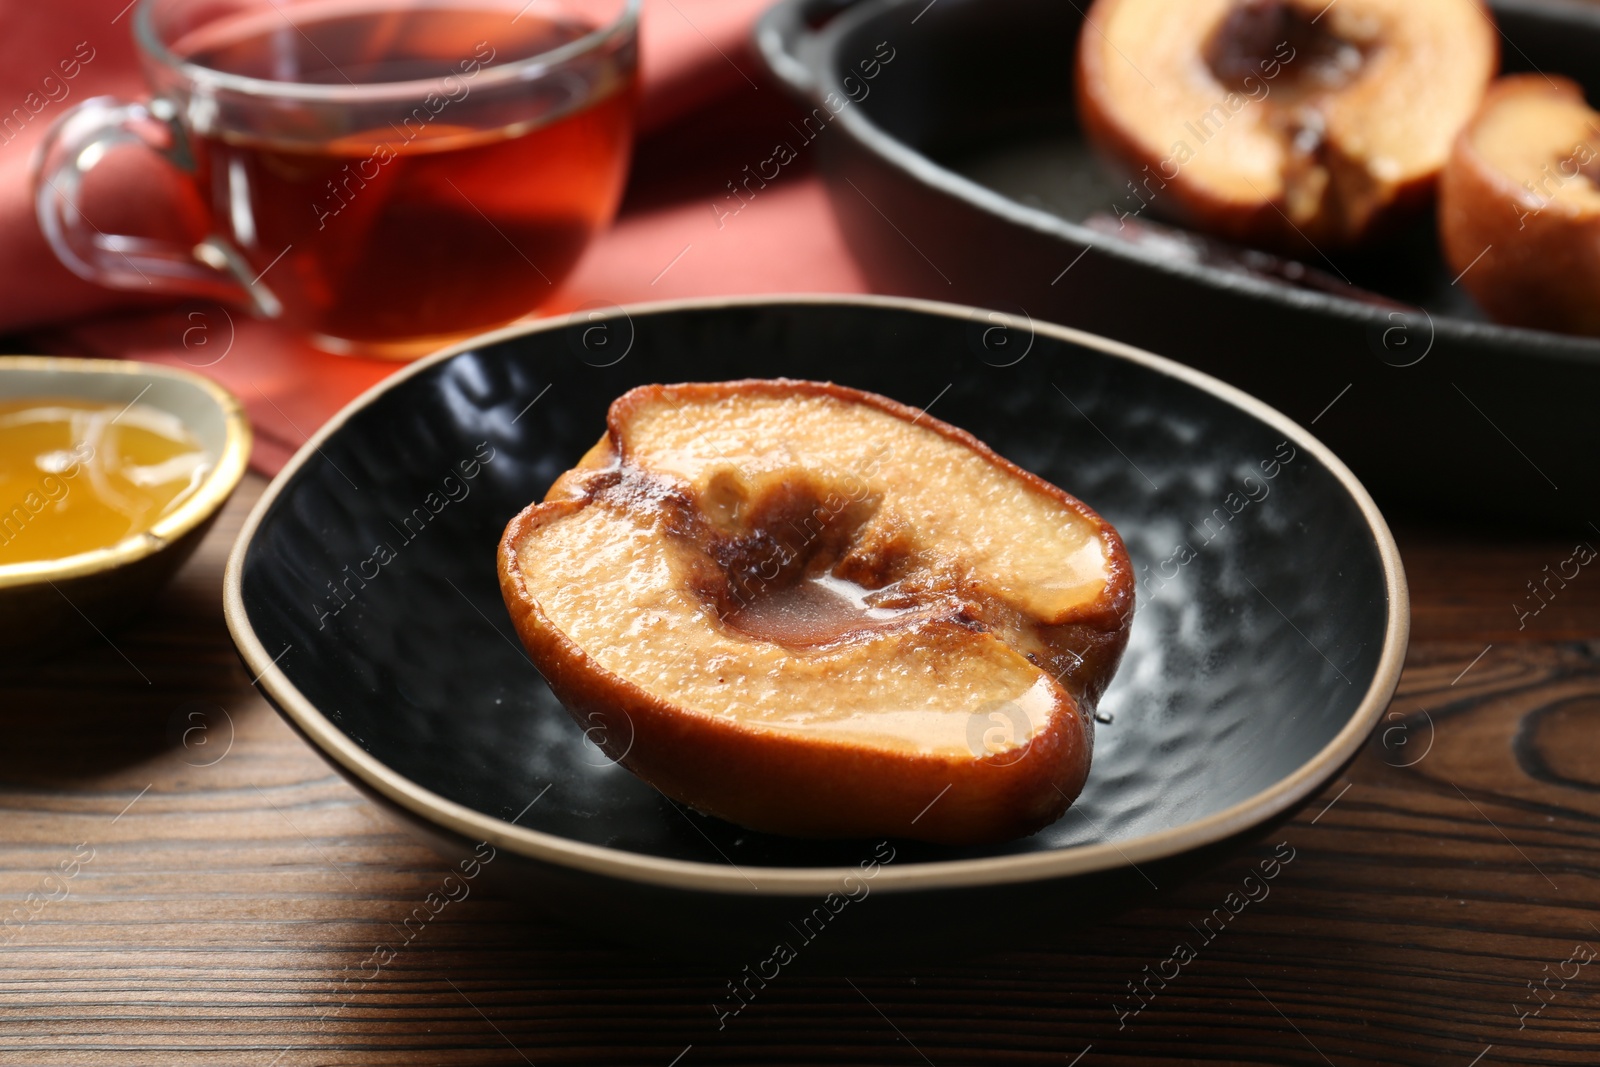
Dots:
{"x": 637, "y": 867}
{"x": 212, "y": 492}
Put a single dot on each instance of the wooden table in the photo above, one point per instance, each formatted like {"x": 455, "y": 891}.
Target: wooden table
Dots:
{"x": 209, "y": 900}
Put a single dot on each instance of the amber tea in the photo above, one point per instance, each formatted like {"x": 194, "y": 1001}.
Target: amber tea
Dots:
{"x": 456, "y": 215}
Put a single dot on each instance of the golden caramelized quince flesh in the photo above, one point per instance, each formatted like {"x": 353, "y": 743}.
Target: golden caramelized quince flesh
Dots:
{"x": 814, "y": 611}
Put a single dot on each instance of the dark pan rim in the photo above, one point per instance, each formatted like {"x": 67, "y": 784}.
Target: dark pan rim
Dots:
{"x": 538, "y": 845}
{"x": 922, "y": 169}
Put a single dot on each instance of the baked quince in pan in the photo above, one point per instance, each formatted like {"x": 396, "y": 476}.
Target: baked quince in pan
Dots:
{"x": 1296, "y": 125}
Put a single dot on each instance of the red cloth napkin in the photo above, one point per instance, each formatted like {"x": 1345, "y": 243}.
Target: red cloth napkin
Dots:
{"x": 706, "y": 112}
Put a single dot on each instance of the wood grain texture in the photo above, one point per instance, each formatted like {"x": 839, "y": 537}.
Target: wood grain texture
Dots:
{"x": 226, "y": 890}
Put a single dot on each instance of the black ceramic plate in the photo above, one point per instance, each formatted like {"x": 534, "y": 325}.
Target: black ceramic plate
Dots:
{"x": 1269, "y": 635}
{"x": 958, "y": 172}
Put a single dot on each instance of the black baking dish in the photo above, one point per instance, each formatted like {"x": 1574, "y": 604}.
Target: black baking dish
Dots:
{"x": 957, "y": 171}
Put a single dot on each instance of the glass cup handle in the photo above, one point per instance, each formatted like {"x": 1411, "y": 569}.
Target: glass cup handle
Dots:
{"x": 72, "y": 148}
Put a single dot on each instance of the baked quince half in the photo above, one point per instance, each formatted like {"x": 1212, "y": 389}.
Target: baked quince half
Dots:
{"x": 1519, "y": 206}
{"x": 1294, "y": 125}
{"x": 813, "y": 611}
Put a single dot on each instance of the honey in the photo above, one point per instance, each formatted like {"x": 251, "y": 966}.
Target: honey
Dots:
{"x": 80, "y": 475}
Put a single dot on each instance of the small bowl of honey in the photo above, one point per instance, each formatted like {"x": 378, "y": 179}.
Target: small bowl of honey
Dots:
{"x": 110, "y": 474}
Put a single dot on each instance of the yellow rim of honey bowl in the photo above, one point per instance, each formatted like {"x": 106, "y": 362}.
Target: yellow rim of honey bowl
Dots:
{"x": 224, "y": 476}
